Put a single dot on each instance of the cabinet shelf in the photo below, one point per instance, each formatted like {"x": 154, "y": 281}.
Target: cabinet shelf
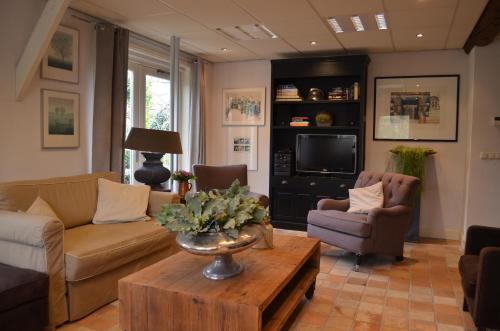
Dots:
{"x": 337, "y": 127}
{"x": 310, "y": 102}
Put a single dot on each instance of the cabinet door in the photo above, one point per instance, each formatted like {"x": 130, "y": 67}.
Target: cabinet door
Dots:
{"x": 282, "y": 205}
{"x": 302, "y": 204}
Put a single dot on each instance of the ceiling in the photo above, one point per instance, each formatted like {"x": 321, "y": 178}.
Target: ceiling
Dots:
{"x": 445, "y": 24}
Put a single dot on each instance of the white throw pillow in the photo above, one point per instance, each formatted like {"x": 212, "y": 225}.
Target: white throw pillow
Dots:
{"x": 120, "y": 203}
{"x": 363, "y": 199}
{"x": 42, "y": 208}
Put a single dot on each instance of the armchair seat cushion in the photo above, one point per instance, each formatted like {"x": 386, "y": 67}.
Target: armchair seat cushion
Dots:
{"x": 468, "y": 266}
{"x": 350, "y": 223}
{"x": 93, "y": 249}
{"x": 19, "y": 286}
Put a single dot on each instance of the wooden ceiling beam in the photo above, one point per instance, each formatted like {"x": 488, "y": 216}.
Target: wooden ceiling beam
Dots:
{"x": 487, "y": 27}
{"x": 38, "y": 43}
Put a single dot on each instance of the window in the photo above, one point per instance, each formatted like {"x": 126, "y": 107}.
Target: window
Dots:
{"x": 148, "y": 106}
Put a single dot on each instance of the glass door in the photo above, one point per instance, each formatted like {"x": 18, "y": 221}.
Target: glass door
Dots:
{"x": 148, "y": 106}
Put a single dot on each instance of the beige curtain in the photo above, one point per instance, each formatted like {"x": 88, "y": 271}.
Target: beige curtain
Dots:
{"x": 198, "y": 117}
{"x": 110, "y": 98}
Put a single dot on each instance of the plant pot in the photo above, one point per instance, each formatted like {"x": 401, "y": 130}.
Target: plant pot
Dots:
{"x": 222, "y": 247}
{"x": 184, "y": 188}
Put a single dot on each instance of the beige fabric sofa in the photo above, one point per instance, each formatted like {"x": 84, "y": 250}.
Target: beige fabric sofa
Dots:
{"x": 84, "y": 261}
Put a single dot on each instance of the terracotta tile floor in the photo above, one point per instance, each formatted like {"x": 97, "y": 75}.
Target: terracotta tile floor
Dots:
{"x": 422, "y": 293}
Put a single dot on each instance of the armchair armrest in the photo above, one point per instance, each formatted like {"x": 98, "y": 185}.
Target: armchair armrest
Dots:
{"x": 158, "y": 199}
{"x": 486, "y": 302}
{"x": 399, "y": 210}
{"x": 36, "y": 242}
{"x": 262, "y": 198}
{"x": 479, "y": 237}
{"x": 332, "y": 204}
{"x": 389, "y": 226}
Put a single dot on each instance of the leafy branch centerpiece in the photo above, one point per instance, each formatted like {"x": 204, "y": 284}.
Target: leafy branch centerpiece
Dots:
{"x": 216, "y": 223}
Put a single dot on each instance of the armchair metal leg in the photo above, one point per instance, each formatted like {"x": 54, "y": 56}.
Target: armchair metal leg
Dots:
{"x": 358, "y": 262}
{"x": 465, "y": 306}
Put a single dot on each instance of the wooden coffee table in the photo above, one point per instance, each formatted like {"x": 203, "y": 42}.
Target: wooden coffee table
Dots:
{"x": 174, "y": 295}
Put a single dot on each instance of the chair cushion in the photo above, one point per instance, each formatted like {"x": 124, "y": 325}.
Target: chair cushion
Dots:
{"x": 19, "y": 286}
{"x": 468, "y": 266}
{"x": 93, "y": 249}
{"x": 350, "y": 223}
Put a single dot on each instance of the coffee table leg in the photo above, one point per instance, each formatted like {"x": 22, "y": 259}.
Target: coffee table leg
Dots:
{"x": 310, "y": 291}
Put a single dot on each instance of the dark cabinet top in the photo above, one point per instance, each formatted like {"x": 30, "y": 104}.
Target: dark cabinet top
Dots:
{"x": 352, "y": 65}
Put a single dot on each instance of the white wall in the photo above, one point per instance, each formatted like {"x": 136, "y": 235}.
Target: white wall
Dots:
{"x": 483, "y": 194}
{"x": 238, "y": 75}
{"x": 21, "y": 155}
{"x": 444, "y": 195}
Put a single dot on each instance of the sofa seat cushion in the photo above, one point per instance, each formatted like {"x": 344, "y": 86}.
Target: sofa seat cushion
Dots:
{"x": 19, "y": 286}
{"x": 350, "y": 223}
{"x": 468, "y": 266}
{"x": 93, "y": 249}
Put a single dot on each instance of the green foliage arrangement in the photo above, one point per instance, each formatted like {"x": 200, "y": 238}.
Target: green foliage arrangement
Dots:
{"x": 411, "y": 160}
{"x": 213, "y": 212}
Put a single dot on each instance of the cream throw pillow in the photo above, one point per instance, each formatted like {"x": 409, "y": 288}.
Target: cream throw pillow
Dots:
{"x": 363, "y": 199}
{"x": 120, "y": 203}
{"x": 42, "y": 208}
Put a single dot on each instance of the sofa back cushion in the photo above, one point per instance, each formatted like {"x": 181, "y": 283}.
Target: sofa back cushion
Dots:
{"x": 398, "y": 189}
{"x": 74, "y": 199}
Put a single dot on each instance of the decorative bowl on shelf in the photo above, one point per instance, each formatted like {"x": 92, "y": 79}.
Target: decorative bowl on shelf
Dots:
{"x": 315, "y": 94}
{"x": 323, "y": 119}
{"x": 222, "y": 247}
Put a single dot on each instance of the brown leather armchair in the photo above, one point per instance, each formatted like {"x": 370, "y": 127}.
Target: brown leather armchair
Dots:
{"x": 480, "y": 271}
{"x": 221, "y": 178}
{"x": 381, "y": 231}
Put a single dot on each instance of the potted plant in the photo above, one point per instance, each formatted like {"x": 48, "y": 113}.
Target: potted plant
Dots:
{"x": 218, "y": 224}
{"x": 182, "y": 178}
{"x": 411, "y": 161}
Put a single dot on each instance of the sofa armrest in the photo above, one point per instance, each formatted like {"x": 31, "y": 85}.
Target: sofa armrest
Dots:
{"x": 479, "y": 237}
{"x": 36, "y": 242}
{"x": 332, "y": 204}
{"x": 157, "y": 199}
{"x": 486, "y": 302}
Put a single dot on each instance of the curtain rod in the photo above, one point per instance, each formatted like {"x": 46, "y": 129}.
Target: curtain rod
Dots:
{"x": 82, "y": 16}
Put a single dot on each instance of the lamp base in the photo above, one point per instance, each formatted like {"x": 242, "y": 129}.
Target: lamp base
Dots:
{"x": 152, "y": 172}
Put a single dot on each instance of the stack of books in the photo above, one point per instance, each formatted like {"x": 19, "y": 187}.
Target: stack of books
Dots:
{"x": 287, "y": 92}
{"x": 300, "y": 121}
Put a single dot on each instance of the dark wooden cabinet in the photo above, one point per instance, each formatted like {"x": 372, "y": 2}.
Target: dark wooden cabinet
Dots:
{"x": 291, "y": 197}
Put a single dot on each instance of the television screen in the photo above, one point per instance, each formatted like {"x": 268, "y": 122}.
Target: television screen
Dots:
{"x": 326, "y": 153}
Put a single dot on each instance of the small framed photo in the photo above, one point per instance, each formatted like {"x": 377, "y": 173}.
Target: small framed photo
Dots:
{"x": 241, "y": 145}
{"x": 244, "y": 106}
{"x": 416, "y": 108}
{"x": 60, "y": 119}
{"x": 61, "y": 60}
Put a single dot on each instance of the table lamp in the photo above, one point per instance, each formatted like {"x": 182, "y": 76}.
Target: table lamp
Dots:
{"x": 153, "y": 144}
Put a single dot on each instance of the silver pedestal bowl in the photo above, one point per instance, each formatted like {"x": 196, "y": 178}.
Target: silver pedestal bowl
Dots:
{"x": 222, "y": 247}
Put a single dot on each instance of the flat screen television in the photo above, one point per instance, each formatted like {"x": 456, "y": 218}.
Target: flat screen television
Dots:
{"x": 326, "y": 153}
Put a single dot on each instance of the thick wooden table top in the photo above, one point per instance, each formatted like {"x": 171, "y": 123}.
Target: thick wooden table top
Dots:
{"x": 266, "y": 272}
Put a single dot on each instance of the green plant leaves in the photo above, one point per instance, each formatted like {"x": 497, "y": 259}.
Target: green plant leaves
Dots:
{"x": 213, "y": 212}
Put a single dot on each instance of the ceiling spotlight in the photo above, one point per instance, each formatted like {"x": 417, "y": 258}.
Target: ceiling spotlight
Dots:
{"x": 335, "y": 25}
{"x": 420, "y": 35}
{"x": 224, "y": 49}
{"x": 358, "y": 25}
{"x": 381, "y": 22}
{"x": 313, "y": 43}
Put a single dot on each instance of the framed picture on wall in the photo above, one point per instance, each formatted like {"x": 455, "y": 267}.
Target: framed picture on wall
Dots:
{"x": 423, "y": 108}
{"x": 244, "y": 106}
{"x": 60, "y": 119}
{"x": 241, "y": 146}
{"x": 61, "y": 60}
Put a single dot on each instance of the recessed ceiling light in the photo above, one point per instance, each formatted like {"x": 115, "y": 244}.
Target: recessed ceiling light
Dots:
{"x": 420, "y": 35}
{"x": 381, "y": 22}
{"x": 224, "y": 49}
{"x": 358, "y": 25}
{"x": 335, "y": 25}
{"x": 313, "y": 42}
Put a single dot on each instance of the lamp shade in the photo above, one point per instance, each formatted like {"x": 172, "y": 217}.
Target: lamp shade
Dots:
{"x": 156, "y": 141}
